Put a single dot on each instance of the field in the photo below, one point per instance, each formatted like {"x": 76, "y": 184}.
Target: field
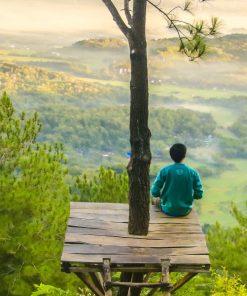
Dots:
{"x": 221, "y": 191}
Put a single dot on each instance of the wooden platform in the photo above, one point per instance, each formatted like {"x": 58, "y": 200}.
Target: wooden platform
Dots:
{"x": 99, "y": 230}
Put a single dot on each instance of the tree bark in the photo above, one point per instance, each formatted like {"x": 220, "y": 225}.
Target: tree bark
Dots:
{"x": 138, "y": 167}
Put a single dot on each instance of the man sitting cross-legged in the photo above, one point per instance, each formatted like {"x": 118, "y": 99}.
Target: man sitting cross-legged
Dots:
{"x": 176, "y": 185}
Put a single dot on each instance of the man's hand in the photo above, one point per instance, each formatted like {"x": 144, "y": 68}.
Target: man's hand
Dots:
{"x": 156, "y": 202}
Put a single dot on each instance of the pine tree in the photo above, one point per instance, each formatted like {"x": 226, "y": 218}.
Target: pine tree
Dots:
{"x": 228, "y": 246}
{"x": 34, "y": 204}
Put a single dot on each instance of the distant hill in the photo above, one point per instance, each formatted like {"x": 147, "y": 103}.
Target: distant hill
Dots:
{"x": 223, "y": 67}
{"x": 227, "y": 42}
{"x": 16, "y": 78}
{"x": 102, "y": 43}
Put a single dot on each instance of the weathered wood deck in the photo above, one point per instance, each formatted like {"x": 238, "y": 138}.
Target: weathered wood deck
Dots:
{"x": 99, "y": 230}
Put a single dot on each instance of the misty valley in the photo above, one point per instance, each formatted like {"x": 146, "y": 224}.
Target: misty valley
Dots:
{"x": 81, "y": 94}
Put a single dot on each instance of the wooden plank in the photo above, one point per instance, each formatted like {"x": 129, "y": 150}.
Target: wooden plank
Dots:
{"x": 100, "y": 211}
{"x": 124, "y": 218}
{"x": 188, "y": 260}
{"x": 160, "y": 227}
{"x": 115, "y": 206}
{"x": 111, "y": 249}
{"x": 99, "y": 205}
{"x": 121, "y": 233}
{"x": 141, "y": 285}
{"x": 140, "y": 268}
{"x": 124, "y": 212}
{"x": 168, "y": 241}
{"x": 96, "y": 223}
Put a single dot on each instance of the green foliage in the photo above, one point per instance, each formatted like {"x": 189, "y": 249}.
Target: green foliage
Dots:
{"x": 239, "y": 128}
{"x": 198, "y": 286}
{"x": 17, "y": 134}
{"x": 33, "y": 206}
{"x": 94, "y": 131}
{"x": 237, "y": 146}
{"x": 215, "y": 284}
{"x": 193, "y": 42}
{"x": 224, "y": 285}
{"x": 181, "y": 125}
{"x": 107, "y": 186}
{"x": 194, "y": 47}
{"x": 32, "y": 79}
{"x": 228, "y": 246}
{"x": 205, "y": 171}
{"x": 48, "y": 290}
{"x": 234, "y": 148}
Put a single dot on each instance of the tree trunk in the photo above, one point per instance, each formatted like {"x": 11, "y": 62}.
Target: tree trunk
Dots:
{"x": 138, "y": 167}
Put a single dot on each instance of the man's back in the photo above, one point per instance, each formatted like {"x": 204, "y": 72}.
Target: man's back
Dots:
{"x": 177, "y": 185}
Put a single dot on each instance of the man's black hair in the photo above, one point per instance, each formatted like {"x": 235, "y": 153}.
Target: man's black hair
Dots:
{"x": 178, "y": 152}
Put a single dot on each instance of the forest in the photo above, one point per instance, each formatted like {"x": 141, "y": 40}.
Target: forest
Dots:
{"x": 64, "y": 137}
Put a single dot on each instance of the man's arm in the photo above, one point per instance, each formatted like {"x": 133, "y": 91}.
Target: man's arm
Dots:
{"x": 197, "y": 187}
{"x": 158, "y": 184}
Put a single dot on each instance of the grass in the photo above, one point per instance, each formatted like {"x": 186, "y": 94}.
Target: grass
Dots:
{"x": 224, "y": 117}
{"x": 221, "y": 191}
{"x": 191, "y": 94}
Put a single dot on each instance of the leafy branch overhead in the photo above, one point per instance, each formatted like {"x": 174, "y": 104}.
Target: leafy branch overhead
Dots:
{"x": 192, "y": 35}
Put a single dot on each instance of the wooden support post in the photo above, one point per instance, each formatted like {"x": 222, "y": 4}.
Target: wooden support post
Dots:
{"x": 125, "y": 277}
{"x": 146, "y": 277}
{"x": 100, "y": 278}
{"x": 136, "y": 278}
{"x": 165, "y": 278}
{"x": 183, "y": 281}
{"x": 96, "y": 281}
{"x": 107, "y": 276}
{"x": 87, "y": 280}
{"x": 141, "y": 285}
{"x": 65, "y": 267}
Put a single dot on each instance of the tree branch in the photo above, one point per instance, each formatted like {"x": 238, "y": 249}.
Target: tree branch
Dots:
{"x": 172, "y": 24}
{"x": 116, "y": 17}
{"x": 193, "y": 43}
{"x": 127, "y": 12}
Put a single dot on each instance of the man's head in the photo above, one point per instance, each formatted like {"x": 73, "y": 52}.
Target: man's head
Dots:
{"x": 178, "y": 152}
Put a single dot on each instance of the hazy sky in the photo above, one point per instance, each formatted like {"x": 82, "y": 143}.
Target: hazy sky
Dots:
{"x": 92, "y": 17}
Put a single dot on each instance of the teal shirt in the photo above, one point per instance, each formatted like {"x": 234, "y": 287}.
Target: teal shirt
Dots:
{"x": 177, "y": 185}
